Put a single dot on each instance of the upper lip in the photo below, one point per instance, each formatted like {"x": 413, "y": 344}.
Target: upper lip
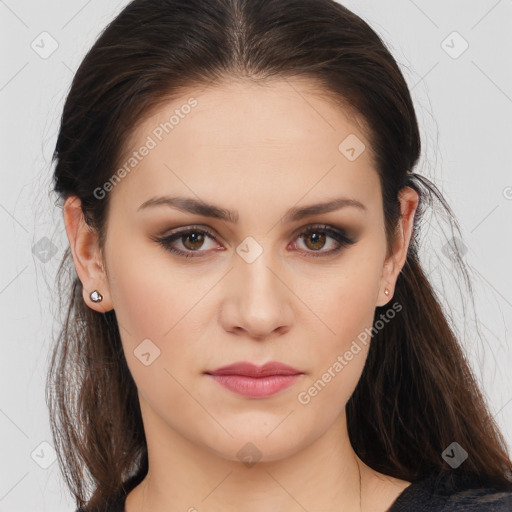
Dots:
{"x": 251, "y": 370}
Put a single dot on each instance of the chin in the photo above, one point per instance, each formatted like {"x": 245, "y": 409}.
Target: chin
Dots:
{"x": 252, "y": 446}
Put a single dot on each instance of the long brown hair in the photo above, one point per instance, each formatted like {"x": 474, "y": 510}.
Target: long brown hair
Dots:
{"x": 417, "y": 393}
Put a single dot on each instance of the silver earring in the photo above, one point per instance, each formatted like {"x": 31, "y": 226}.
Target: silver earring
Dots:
{"x": 386, "y": 291}
{"x": 96, "y": 296}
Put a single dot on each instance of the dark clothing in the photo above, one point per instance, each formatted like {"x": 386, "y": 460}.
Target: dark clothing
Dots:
{"x": 455, "y": 494}
{"x": 452, "y": 493}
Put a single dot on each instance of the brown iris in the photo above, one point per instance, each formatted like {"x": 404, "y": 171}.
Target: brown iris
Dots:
{"x": 318, "y": 240}
{"x": 197, "y": 240}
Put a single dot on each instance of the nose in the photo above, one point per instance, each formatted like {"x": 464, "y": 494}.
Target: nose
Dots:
{"x": 258, "y": 301}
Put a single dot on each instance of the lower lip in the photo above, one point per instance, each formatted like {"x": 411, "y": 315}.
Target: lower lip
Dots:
{"x": 259, "y": 387}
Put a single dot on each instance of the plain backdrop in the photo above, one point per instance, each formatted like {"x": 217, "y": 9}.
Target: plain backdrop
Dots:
{"x": 456, "y": 59}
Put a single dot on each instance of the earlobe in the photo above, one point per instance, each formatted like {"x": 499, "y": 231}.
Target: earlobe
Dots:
{"x": 87, "y": 257}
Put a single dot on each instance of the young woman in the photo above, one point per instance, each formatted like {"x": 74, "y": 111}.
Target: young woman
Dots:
{"x": 248, "y": 325}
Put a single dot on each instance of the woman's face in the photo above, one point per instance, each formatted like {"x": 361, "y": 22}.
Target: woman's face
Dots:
{"x": 255, "y": 288}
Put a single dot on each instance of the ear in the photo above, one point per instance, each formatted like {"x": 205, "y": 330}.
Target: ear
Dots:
{"x": 394, "y": 263}
{"x": 87, "y": 257}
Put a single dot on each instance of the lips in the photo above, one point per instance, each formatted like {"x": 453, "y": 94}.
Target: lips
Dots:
{"x": 251, "y": 381}
{"x": 247, "y": 369}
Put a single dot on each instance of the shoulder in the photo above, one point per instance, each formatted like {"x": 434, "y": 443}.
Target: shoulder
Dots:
{"x": 479, "y": 500}
{"x": 452, "y": 493}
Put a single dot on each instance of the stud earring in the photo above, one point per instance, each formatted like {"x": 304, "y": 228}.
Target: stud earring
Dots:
{"x": 96, "y": 296}
{"x": 386, "y": 291}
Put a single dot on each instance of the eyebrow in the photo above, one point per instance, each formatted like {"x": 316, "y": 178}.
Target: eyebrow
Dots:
{"x": 191, "y": 205}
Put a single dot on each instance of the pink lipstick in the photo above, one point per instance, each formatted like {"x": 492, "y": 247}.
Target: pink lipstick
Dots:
{"x": 254, "y": 381}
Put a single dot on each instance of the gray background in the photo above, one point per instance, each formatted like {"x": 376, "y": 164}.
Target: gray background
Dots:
{"x": 464, "y": 106}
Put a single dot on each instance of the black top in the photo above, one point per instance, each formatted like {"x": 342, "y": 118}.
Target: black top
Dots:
{"x": 448, "y": 493}
{"x": 451, "y": 493}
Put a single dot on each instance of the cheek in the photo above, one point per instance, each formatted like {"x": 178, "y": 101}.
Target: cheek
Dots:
{"x": 346, "y": 306}
{"x": 147, "y": 297}
{"x": 143, "y": 308}
{"x": 347, "y": 300}
{"x": 339, "y": 355}
{"x": 154, "y": 301}
{"x": 154, "y": 340}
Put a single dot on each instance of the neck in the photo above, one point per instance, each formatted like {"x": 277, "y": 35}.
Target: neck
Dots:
{"x": 325, "y": 475}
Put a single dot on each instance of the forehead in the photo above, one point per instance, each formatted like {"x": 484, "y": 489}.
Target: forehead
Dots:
{"x": 243, "y": 137}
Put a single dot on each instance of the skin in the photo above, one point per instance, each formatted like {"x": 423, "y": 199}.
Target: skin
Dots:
{"x": 259, "y": 150}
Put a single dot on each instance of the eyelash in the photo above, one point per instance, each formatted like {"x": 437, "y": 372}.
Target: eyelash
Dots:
{"x": 335, "y": 233}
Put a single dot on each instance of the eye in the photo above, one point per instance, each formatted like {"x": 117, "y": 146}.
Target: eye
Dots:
{"x": 192, "y": 240}
{"x": 315, "y": 239}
